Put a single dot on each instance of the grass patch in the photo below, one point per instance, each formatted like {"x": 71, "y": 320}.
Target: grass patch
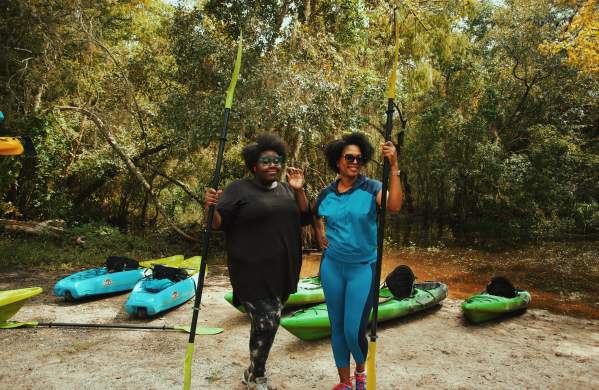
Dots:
{"x": 19, "y": 251}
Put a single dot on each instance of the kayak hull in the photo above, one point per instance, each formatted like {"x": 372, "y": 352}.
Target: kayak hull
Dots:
{"x": 144, "y": 302}
{"x": 484, "y": 307}
{"x": 98, "y": 281}
{"x": 313, "y": 323}
{"x": 12, "y": 300}
{"x": 309, "y": 292}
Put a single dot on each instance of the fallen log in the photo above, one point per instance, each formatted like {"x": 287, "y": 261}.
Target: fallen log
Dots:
{"x": 51, "y": 228}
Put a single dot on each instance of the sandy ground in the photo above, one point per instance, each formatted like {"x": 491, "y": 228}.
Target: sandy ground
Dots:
{"x": 432, "y": 350}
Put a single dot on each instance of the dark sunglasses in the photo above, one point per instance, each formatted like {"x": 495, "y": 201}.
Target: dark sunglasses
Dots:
{"x": 351, "y": 158}
{"x": 267, "y": 160}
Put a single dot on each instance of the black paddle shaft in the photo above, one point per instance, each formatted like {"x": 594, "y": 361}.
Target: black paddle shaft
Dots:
{"x": 208, "y": 230}
{"x": 109, "y": 326}
{"x": 381, "y": 225}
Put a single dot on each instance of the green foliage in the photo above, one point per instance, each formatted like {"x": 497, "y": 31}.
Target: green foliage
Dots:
{"x": 501, "y": 131}
{"x": 99, "y": 242}
{"x": 587, "y": 216}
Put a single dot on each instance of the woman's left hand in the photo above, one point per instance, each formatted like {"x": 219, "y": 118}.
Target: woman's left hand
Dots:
{"x": 389, "y": 152}
{"x": 295, "y": 178}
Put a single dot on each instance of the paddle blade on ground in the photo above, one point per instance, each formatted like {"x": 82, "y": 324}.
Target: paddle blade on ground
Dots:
{"x": 16, "y": 324}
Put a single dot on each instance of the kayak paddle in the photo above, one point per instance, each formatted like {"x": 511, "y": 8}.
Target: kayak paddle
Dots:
{"x": 179, "y": 328}
{"x": 371, "y": 358}
{"x": 208, "y": 230}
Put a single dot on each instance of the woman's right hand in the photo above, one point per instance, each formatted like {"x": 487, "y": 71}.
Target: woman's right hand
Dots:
{"x": 211, "y": 197}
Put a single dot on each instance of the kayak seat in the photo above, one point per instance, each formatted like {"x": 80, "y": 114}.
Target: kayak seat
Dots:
{"x": 427, "y": 285}
{"x": 501, "y": 287}
{"x": 170, "y": 273}
{"x": 120, "y": 263}
{"x": 401, "y": 282}
{"x": 157, "y": 285}
{"x": 312, "y": 283}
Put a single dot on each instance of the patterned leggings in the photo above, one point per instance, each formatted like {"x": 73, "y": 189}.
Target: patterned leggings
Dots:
{"x": 265, "y": 315}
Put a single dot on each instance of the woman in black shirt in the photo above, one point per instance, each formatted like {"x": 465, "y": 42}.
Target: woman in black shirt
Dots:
{"x": 262, "y": 219}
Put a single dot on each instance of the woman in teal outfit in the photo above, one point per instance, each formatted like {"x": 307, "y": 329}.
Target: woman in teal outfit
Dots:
{"x": 348, "y": 207}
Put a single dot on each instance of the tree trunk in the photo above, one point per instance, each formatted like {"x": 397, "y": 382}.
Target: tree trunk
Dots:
{"x": 307, "y": 11}
{"x": 279, "y": 23}
{"x": 105, "y": 131}
{"x": 144, "y": 207}
{"x": 37, "y": 99}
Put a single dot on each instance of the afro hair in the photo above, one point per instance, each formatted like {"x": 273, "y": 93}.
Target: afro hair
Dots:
{"x": 335, "y": 148}
{"x": 264, "y": 142}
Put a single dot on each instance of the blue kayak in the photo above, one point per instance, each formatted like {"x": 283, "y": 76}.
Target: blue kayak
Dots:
{"x": 115, "y": 277}
{"x": 166, "y": 288}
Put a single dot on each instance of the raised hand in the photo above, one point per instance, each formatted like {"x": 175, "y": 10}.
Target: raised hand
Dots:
{"x": 295, "y": 178}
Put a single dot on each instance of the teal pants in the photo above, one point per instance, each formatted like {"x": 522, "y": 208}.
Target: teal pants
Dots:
{"x": 348, "y": 293}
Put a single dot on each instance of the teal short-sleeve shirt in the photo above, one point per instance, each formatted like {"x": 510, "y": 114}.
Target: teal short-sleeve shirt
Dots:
{"x": 351, "y": 220}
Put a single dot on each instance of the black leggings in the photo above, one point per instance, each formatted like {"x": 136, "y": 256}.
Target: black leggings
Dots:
{"x": 265, "y": 315}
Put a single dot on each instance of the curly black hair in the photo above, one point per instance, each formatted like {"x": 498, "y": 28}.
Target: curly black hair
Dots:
{"x": 334, "y": 149}
{"x": 264, "y": 142}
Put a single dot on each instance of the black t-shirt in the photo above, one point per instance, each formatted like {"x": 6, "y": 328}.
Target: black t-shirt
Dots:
{"x": 263, "y": 233}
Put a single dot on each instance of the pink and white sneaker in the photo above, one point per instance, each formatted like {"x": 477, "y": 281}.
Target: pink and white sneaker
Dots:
{"x": 342, "y": 386}
{"x": 360, "y": 380}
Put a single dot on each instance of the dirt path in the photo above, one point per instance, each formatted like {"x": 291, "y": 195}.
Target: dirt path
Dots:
{"x": 433, "y": 350}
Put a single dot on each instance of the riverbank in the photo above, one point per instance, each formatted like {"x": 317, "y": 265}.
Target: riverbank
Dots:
{"x": 431, "y": 350}
{"x": 562, "y": 277}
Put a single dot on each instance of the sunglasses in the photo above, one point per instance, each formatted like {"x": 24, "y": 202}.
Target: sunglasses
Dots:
{"x": 353, "y": 158}
{"x": 267, "y": 160}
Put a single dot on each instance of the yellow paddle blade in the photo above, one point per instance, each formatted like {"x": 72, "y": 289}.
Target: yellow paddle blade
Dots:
{"x": 187, "y": 368}
{"x": 231, "y": 90}
{"x": 371, "y": 366}
{"x": 391, "y": 87}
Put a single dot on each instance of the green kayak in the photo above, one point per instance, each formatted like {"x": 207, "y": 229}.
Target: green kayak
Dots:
{"x": 313, "y": 323}
{"x": 309, "y": 292}
{"x": 483, "y": 307}
{"x": 12, "y": 300}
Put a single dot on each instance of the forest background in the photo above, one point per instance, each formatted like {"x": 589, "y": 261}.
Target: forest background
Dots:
{"x": 498, "y": 101}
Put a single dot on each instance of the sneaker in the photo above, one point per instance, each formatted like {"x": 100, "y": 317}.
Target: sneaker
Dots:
{"x": 360, "y": 381}
{"x": 342, "y": 386}
{"x": 261, "y": 383}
